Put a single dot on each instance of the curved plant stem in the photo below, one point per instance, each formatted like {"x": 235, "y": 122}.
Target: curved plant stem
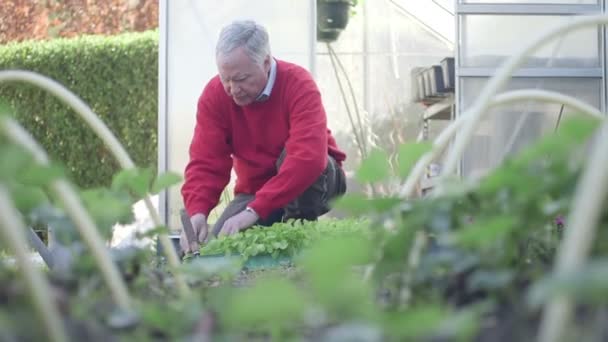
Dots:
{"x": 502, "y": 76}
{"x": 407, "y": 190}
{"x": 549, "y": 97}
{"x": 111, "y": 142}
{"x": 73, "y": 206}
{"x": 356, "y": 130}
{"x": 505, "y": 98}
{"x": 12, "y": 231}
{"x": 591, "y": 192}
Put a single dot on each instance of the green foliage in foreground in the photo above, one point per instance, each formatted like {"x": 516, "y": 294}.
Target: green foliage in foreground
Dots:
{"x": 472, "y": 262}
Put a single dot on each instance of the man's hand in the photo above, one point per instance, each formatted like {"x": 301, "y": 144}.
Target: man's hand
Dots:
{"x": 238, "y": 222}
{"x": 201, "y": 230}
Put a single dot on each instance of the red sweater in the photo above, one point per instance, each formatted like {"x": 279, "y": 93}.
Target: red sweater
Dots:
{"x": 251, "y": 138}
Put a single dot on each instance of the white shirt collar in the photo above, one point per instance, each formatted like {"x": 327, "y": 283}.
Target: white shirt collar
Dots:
{"x": 272, "y": 76}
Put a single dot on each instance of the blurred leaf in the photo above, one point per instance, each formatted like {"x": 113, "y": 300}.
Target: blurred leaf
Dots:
{"x": 164, "y": 181}
{"x": 359, "y": 204}
{"x": 14, "y": 161}
{"x": 485, "y": 232}
{"x": 329, "y": 266}
{"x": 409, "y": 154}
{"x": 571, "y": 133}
{"x": 491, "y": 280}
{"x": 375, "y": 168}
{"x": 152, "y": 233}
{"x": 578, "y": 128}
{"x": 136, "y": 181}
{"x": 270, "y": 303}
{"x": 108, "y": 208}
{"x": 464, "y": 324}
{"x": 335, "y": 255}
{"x": 64, "y": 230}
{"x": 589, "y": 283}
{"x": 41, "y": 175}
{"x": 26, "y": 198}
{"x": 415, "y": 323}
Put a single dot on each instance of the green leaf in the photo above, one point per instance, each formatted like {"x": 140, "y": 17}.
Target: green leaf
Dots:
{"x": 359, "y": 204}
{"x": 271, "y": 302}
{"x": 486, "y": 232}
{"x": 409, "y": 154}
{"x": 41, "y": 175}
{"x": 588, "y": 283}
{"x": 280, "y": 244}
{"x": 26, "y": 198}
{"x": 154, "y": 232}
{"x": 375, "y": 168}
{"x": 578, "y": 128}
{"x": 415, "y": 323}
{"x": 108, "y": 208}
{"x": 14, "y": 161}
{"x": 464, "y": 324}
{"x": 164, "y": 181}
{"x": 491, "y": 280}
{"x": 135, "y": 181}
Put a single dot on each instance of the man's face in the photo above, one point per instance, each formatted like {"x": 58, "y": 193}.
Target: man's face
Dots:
{"x": 242, "y": 77}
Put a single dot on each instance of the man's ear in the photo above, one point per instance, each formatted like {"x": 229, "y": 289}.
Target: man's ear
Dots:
{"x": 267, "y": 63}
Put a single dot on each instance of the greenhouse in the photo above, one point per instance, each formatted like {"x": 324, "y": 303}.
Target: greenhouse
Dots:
{"x": 303, "y": 170}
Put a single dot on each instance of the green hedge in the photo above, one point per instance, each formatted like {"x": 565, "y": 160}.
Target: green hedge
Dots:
{"x": 116, "y": 76}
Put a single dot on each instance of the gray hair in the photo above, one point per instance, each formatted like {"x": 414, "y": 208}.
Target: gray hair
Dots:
{"x": 247, "y": 33}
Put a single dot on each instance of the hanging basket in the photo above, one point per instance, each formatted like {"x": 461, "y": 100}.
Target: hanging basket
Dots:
{"x": 328, "y": 36}
{"x": 332, "y": 18}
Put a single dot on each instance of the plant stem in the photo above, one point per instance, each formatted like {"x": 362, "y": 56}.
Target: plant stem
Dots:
{"x": 12, "y": 231}
{"x": 110, "y": 141}
{"x": 412, "y": 263}
{"x": 73, "y": 206}
{"x": 591, "y": 193}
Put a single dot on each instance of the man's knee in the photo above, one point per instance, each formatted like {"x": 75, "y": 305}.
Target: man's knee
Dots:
{"x": 315, "y": 201}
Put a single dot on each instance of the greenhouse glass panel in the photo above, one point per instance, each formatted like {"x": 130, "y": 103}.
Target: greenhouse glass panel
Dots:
{"x": 569, "y": 2}
{"x": 483, "y": 47}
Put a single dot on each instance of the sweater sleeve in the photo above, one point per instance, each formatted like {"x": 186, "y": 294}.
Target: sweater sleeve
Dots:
{"x": 208, "y": 171}
{"x": 306, "y": 148}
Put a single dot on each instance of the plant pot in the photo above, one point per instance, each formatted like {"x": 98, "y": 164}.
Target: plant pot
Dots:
{"x": 261, "y": 261}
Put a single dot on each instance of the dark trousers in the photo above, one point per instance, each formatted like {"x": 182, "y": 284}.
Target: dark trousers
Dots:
{"x": 311, "y": 204}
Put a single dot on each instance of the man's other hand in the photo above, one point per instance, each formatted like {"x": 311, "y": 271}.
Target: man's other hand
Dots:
{"x": 238, "y": 222}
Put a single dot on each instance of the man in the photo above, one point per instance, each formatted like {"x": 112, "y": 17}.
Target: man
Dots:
{"x": 265, "y": 118}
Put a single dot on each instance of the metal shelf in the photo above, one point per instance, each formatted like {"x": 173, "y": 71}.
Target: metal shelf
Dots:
{"x": 441, "y": 110}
